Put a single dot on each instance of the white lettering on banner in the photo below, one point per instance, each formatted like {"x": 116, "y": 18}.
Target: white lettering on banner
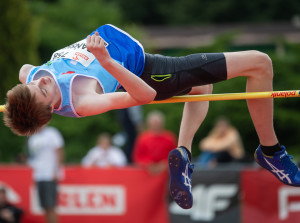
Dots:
{"x": 286, "y": 205}
{"x": 77, "y": 52}
{"x": 207, "y": 200}
{"x": 87, "y": 200}
{"x": 11, "y": 194}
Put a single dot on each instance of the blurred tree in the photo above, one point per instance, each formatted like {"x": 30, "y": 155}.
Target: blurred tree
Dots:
{"x": 67, "y": 21}
{"x": 19, "y": 41}
{"x": 18, "y": 45}
{"x": 161, "y": 12}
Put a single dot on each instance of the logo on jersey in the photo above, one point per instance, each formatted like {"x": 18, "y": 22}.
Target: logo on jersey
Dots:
{"x": 76, "y": 52}
{"x": 69, "y": 72}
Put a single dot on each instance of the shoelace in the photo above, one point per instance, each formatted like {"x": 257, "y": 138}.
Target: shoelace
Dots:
{"x": 191, "y": 168}
{"x": 288, "y": 164}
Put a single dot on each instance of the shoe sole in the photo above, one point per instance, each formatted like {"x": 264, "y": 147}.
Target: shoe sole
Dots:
{"x": 178, "y": 190}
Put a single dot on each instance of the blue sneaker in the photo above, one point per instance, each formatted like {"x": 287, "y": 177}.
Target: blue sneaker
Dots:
{"x": 280, "y": 165}
{"x": 180, "y": 178}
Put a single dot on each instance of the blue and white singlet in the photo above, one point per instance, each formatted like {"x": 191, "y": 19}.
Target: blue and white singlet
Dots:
{"x": 76, "y": 60}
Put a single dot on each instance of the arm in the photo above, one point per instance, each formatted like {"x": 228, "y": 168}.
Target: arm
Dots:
{"x": 60, "y": 156}
{"x": 138, "y": 92}
{"x": 218, "y": 144}
{"x": 90, "y": 159}
{"x": 24, "y": 71}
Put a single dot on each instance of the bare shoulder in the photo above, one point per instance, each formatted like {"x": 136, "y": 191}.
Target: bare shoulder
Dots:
{"x": 24, "y": 72}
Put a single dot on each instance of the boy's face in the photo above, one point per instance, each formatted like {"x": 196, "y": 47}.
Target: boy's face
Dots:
{"x": 44, "y": 90}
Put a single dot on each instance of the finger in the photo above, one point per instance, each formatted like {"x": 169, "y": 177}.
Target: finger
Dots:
{"x": 102, "y": 42}
{"x": 93, "y": 39}
{"x": 88, "y": 39}
{"x": 96, "y": 33}
{"x": 98, "y": 40}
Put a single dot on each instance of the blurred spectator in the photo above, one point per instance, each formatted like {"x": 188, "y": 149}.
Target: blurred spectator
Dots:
{"x": 104, "y": 154}
{"x": 8, "y": 212}
{"x": 132, "y": 122}
{"x": 46, "y": 159}
{"x": 223, "y": 144}
{"x": 153, "y": 146}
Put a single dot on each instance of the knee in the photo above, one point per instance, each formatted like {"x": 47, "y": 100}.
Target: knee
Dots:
{"x": 262, "y": 63}
{"x": 205, "y": 89}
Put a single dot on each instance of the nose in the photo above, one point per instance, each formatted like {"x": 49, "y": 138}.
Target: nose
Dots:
{"x": 42, "y": 81}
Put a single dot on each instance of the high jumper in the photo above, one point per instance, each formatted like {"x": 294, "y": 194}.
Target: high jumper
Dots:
{"x": 83, "y": 78}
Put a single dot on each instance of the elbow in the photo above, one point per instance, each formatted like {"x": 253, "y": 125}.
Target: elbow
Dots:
{"x": 152, "y": 95}
{"x": 147, "y": 98}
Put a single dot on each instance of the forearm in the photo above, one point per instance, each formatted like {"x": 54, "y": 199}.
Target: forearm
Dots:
{"x": 138, "y": 90}
{"x": 134, "y": 85}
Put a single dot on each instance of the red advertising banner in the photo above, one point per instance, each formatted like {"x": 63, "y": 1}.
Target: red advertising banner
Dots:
{"x": 94, "y": 195}
{"x": 267, "y": 200}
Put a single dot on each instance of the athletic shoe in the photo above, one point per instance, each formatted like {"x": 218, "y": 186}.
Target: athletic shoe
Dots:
{"x": 280, "y": 165}
{"x": 180, "y": 177}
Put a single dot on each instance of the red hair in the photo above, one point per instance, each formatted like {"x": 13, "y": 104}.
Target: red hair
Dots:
{"x": 23, "y": 115}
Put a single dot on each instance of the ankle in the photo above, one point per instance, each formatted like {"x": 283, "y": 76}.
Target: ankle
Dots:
{"x": 188, "y": 152}
{"x": 270, "y": 150}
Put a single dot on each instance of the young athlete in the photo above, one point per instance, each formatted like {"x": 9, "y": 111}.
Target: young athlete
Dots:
{"x": 82, "y": 79}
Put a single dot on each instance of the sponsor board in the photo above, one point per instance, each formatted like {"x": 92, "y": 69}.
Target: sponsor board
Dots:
{"x": 267, "y": 200}
{"x": 127, "y": 195}
{"x": 288, "y": 201}
{"x": 86, "y": 200}
{"x": 216, "y": 198}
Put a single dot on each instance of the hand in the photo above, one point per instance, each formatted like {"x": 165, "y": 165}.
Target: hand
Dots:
{"x": 157, "y": 168}
{"x": 7, "y": 215}
{"x": 95, "y": 44}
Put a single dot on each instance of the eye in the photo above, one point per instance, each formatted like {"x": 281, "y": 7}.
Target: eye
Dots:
{"x": 44, "y": 91}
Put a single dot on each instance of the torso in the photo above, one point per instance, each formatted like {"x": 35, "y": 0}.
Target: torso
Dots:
{"x": 91, "y": 86}
{"x": 63, "y": 68}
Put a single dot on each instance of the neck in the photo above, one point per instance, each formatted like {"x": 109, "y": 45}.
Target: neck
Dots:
{"x": 57, "y": 99}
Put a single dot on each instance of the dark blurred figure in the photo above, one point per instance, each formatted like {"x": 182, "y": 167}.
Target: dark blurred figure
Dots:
{"x": 8, "y": 212}
{"x": 152, "y": 147}
{"x": 222, "y": 145}
{"x": 20, "y": 159}
{"x": 104, "y": 154}
{"x": 131, "y": 121}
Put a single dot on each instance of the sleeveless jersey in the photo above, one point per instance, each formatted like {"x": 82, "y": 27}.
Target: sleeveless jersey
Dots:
{"x": 76, "y": 60}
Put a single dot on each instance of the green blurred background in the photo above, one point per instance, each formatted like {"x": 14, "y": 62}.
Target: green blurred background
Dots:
{"x": 31, "y": 30}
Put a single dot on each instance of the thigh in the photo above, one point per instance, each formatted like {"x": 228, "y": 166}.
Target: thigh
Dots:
{"x": 244, "y": 63}
{"x": 171, "y": 76}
